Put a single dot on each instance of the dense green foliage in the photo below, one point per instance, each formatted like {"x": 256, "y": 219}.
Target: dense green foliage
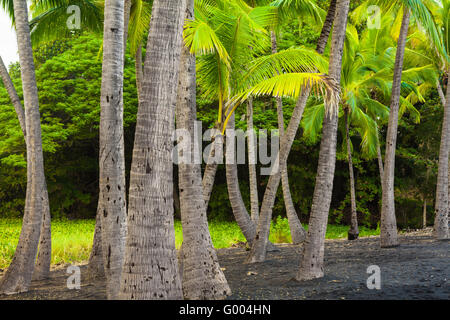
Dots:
{"x": 69, "y": 79}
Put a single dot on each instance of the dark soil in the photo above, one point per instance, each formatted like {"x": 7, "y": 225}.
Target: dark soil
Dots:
{"x": 418, "y": 269}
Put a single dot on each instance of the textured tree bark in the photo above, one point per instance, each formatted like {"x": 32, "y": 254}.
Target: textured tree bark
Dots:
{"x": 353, "y": 233}
{"x": 112, "y": 199}
{"x": 202, "y": 277}
{"x": 44, "y": 258}
{"x": 388, "y": 225}
{"x": 139, "y": 72}
{"x": 258, "y": 250}
{"x": 96, "y": 268}
{"x": 19, "y": 274}
{"x": 440, "y": 231}
{"x": 298, "y": 234}
{"x": 253, "y": 181}
{"x": 380, "y": 163}
{"x": 311, "y": 265}
{"x": 151, "y": 268}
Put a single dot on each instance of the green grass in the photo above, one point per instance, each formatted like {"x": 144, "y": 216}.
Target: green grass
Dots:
{"x": 72, "y": 240}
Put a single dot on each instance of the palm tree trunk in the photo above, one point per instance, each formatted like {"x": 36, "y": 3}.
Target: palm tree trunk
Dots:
{"x": 20, "y": 272}
{"x": 42, "y": 267}
{"x": 139, "y": 72}
{"x": 326, "y": 29}
{"x": 254, "y": 200}
{"x": 311, "y": 265}
{"x": 234, "y": 194}
{"x": 388, "y": 226}
{"x": 151, "y": 268}
{"x": 258, "y": 250}
{"x": 202, "y": 277}
{"x": 380, "y": 162}
{"x": 298, "y": 234}
{"x": 96, "y": 268}
{"x": 112, "y": 200}
{"x": 424, "y": 215}
{"x": 209, "y": 174}
{"x": 15, "y": 100}
{"x": 440, "y": 231}
{"x": 353, "y": 233}
{"x": 44, "y": 258}
{"x": 441, "y": 93}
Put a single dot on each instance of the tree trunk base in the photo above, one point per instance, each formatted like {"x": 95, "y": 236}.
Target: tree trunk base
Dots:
{"x": 352, "y": 235}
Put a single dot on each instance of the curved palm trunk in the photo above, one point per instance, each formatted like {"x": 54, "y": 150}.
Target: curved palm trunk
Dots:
{"x": 258, "y": 250}
{"x": 440, "y": 231}
{"x": 211, "y": 168}
{"x": 112, "y": 200}
{"x": 388, "y": 225}
{"x": 253, "y": 181}
{"x": 150, "y": 267}
{"x": 202, "y": 277}
{"x": 311, "y": 265}
{"x": 15, "y": 100}
{"x": 353, "y": 233}
{"x": 42, "y": 267}
{"x": 19, "y": 274}
{"x": 234, "y": 194}
{"x": 298, "y": 234}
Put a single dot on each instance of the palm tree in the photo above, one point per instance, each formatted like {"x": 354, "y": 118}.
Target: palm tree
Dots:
{"x": 300, "y": 10}
{"x": 19, "y": 274}
{"x": 202, "y": 275}
{"x": 311, "y": 265}
{"x": 42, "y": 267}
{"x": 150, "y": 268}
{"x": 442, "y": 188}
{"x": 257, "y": 253}
{"x": 388, "y": 226}
{"x": 112, "y": 201}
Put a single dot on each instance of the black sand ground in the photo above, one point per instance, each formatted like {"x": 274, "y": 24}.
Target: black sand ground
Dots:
{"x": 418, "y": 269}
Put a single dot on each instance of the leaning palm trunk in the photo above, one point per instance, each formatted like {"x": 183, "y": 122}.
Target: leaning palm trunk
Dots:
{"x": 298, "y": 234}
{"x": 213, "y": 161}
{"x": 42, "y": 267}
{"x": 388, "y": 225}
{"x": 258, "y": 250}
{"x": 253, "y": 181}
{"x": 441, "y": 93}
{"x": 112, "y": 201}
{"x": 353, "y": 233}
{"x": 202, "y": 277}
{"x": 311, "y": 265}
{"x": 19, "y": 274}
{"x": 440, "y": 231}
{"x": 234, "y": 194}
{"x": 15, "y": 100}
{"x": 150, "y": 268}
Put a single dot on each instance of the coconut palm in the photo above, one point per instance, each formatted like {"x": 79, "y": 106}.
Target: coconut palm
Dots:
{"x": 201, "y": 274}
{"x": 19, "y": 274}
{"x": 150, "y": 268}
{"x": 422, "y": 15}
{"x": 311, "y": 265}
{"x": 366, "y": 72}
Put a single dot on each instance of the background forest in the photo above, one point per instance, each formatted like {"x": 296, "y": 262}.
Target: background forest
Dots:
{"x": 69, "y": 79}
